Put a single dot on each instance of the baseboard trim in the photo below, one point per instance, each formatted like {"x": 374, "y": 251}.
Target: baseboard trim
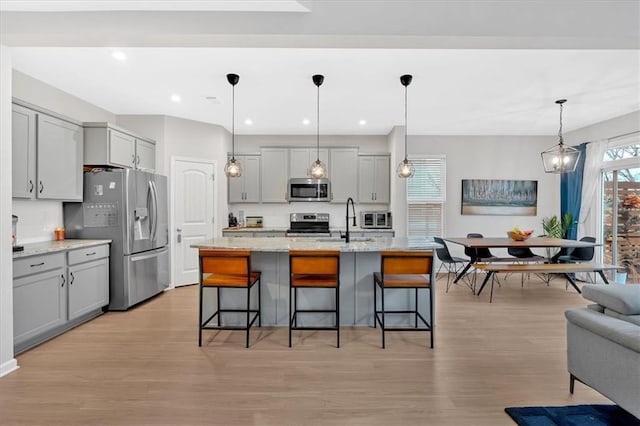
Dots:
{"x": 8, "y": 367}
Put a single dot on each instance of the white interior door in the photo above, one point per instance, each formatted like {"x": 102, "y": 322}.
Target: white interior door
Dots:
{"x": 193, "y": 208}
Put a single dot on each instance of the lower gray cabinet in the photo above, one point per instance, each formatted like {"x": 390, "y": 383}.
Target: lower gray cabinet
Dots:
{"x": 55, "y": 292}
{"x": 39, "y": 305}
{"x": 88, "y": 287}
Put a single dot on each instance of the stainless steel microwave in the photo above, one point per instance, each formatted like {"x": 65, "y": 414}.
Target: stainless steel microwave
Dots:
{"x": 303, "y": 189}
{"x": 379, "y": 220}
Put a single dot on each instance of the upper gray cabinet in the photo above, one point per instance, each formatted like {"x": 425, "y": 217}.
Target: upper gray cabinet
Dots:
{"x": 300, "y": 160}
{"x": 374, "y": 179}
{"x": 23, "y": 141}
{"x": 273, "y": 172}
{"x": 246, "y": 188}
{"x": 343, "y": 174}
{"x": 47, "y": 156}
{"x": 107, "y": 145}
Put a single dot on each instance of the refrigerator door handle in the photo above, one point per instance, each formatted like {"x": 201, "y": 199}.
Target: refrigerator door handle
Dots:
{"x": 154, "y": 200}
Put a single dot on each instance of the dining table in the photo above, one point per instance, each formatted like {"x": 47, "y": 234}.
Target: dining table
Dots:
{"x": 504, "y": 242}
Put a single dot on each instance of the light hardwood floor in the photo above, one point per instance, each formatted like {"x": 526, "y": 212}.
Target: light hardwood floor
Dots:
{"x": 145, "y": 367}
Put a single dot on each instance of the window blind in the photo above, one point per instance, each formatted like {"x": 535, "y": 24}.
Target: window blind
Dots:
{"x": 425, "y": 197}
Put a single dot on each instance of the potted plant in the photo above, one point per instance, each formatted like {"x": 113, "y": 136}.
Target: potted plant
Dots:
{"x": 554, "y": 227}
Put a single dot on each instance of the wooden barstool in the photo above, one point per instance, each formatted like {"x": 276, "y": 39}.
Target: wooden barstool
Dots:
{"x": 313, "y": 269}
{"x": 228, "y": 269}
{"x": 404, "y": 270}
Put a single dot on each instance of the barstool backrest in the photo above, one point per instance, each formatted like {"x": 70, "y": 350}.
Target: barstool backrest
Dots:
{"x": 314, "y": 262}
{"x": 225, "y": 262}
{"x": 406, "y": 262}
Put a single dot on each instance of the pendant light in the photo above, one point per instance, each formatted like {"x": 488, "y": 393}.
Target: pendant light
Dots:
{"x": 318, "y": 168}
{"x": 233, "y": 167}
{"x": 405, "y": 168}
{"x": 560, "y": 158}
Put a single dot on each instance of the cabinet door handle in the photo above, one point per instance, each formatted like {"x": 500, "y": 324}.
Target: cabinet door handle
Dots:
{"x": 37, "y": 264}
{"x": 137, "y": 159}
{"x": 133, "y": 159}
{"x": 91, "y": 254}
{"x": 41, "y": 187}
{"x": 63, "y": 280}
{"x": 31, "y": 186}
{"x": 72, "y": 279}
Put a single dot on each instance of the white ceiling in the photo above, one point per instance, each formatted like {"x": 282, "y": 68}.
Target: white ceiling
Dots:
{"x": 490, "y": 67}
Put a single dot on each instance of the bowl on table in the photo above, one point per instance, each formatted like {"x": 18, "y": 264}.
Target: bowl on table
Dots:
{"x": 519, "y": 236}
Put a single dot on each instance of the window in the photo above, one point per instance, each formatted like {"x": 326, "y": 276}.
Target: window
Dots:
{"x": 426, "y": 197}
{"x": 621, "y": 204}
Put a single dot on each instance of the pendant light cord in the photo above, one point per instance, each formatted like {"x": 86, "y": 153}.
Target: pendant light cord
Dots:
{"x": 405, "y": 123}
{"x": 318, "y": 125}
{"x": 560, "y": 130}
{"x": 233, "y": 122}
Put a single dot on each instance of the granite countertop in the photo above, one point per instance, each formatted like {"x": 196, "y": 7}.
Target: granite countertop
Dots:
{"x": 284, "y": 244}
{"x": 54, "y": 246}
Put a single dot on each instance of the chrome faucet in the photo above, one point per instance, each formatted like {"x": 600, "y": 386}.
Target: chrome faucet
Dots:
{"x": 353, "y": 209}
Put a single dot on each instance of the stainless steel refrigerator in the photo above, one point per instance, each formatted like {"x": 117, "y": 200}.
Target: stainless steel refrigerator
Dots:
{"x": 130, "y": 208}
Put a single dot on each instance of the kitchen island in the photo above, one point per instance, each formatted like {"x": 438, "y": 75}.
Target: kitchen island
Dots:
{"x": 359, "y": 259}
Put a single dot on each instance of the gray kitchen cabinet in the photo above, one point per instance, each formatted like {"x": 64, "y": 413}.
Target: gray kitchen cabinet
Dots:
{"x": 23, "y": 145}
{"x": 300, "y": 160}
{"x": 88, "y": 280}
{"x": 54, "y": 292}
{"x": 373, "y": 179}
{"x": 254, "y": 234}
{"x": 343, "y": 174}
{"x": 47, "y": 156}
{"x": 108, "y": 145}
{"x": 39, "y": 297}
{"x": 274, "y": 176}
{"x": 246, "y": 188}
{"x": 59, "y": 162}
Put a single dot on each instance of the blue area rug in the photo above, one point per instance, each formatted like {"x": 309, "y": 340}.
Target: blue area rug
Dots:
{"x": 573, "y": 415}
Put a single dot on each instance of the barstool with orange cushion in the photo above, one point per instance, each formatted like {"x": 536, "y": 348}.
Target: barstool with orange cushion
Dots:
{"x": 404, "y": 270}
{"x": 313, "y": 269}
{"x": 228, "y": 269}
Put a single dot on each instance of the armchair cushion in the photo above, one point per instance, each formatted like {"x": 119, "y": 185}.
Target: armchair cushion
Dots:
{"x": 624, "y": 299}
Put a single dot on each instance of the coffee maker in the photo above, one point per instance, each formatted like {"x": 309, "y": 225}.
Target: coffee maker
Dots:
{"x": 14, "y": 233}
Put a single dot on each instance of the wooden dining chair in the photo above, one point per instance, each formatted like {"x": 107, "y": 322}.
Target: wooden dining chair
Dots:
{"x": 318, "y": 269}
{"x": 411, "y": 270}
{"x": 228, "y": 269}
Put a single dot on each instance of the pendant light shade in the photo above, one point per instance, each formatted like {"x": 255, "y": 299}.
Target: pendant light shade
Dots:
{"x": 318, "y": 169}
{"x": 233, "y": 167}
{"x": 405, "y": 169}
{"x": 560, "y": 158}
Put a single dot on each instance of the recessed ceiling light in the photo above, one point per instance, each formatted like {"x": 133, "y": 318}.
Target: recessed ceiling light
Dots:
{"x": 176, "y": 98}
{"x": 248, "y": 122}
{"x": 306, "y": 121}
{"x": 362, "y": 122}
{"x": 119, "y": 55}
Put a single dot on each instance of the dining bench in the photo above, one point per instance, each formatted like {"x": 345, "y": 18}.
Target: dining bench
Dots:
{"x": 549, "y": 268}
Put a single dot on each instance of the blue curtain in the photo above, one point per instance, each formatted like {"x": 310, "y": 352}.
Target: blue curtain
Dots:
{"x": 571, "y": 192}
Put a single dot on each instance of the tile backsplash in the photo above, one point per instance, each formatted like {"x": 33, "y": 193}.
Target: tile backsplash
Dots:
{"x": 37, "y": 219}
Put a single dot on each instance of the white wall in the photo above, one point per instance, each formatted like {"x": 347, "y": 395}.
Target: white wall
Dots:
{"x": 7, "y": 362}
{"x": 38, "y": 218}
{"x": 608, "y": 129}
{"x": 491, "y": 157}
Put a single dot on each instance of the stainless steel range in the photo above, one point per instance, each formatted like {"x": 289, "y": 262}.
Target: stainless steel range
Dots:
{"x": 308, "y": 225}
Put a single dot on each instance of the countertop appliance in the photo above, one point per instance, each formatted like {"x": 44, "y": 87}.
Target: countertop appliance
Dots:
{"x": 308, "y": 225}
{"x": 130, "y": 208}
{"x": 14, "y": 234}
{"x": 302, "y": 189}
{"x": 376, "y": 220}
{"x": 253, "y": 221}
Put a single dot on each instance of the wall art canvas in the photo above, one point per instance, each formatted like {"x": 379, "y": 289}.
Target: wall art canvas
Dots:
{"x": 499, "y": 197}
